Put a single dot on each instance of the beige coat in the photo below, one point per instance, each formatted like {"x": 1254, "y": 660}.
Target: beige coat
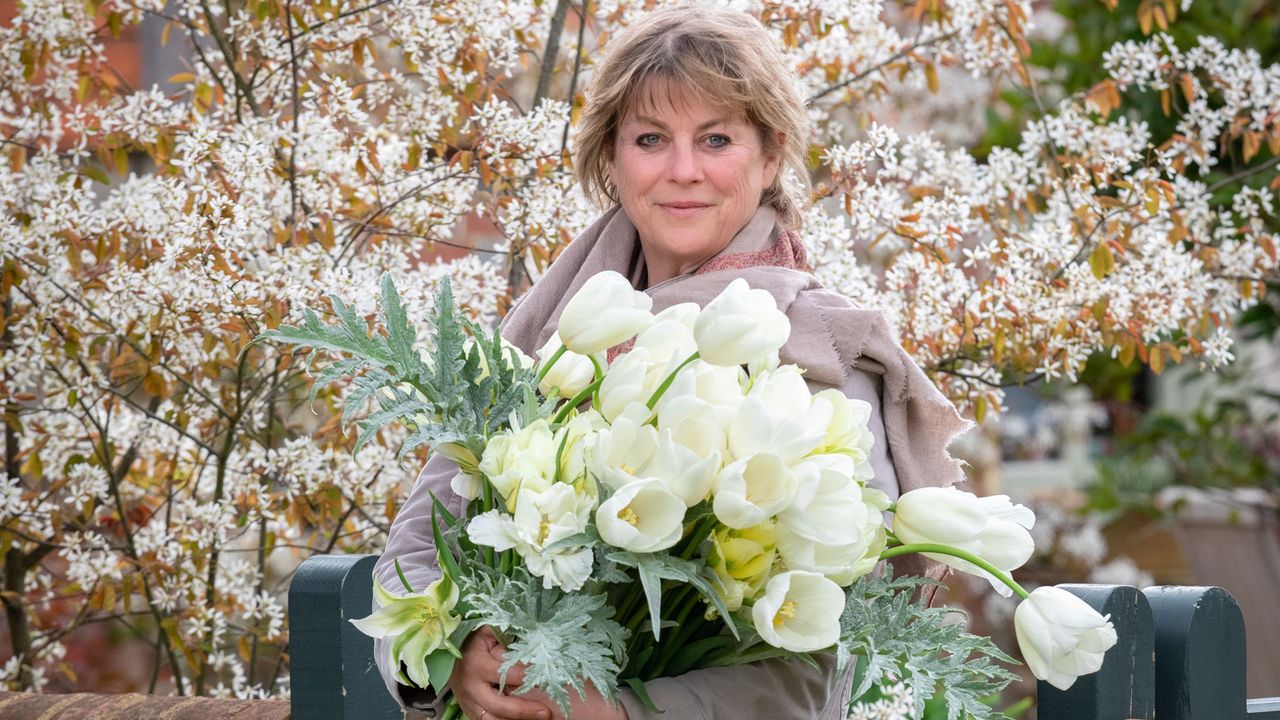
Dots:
{"x": 836, "y": 343}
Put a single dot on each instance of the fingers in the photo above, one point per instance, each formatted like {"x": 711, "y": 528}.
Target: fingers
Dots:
{"x": 515, "y": 675}
{"x": 512, "y": 707}
{"x": 475, "y": 683}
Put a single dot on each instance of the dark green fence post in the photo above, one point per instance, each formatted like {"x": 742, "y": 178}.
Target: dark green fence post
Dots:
{"x": 331, "y": 669}
{"x": 1200, "y": 653}
{"x": 1125, "y": 686}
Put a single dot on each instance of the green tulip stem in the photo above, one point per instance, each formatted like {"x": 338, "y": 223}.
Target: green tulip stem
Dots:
{"x": 575, "y": 401}
{"x": 699, "y": 533}
{"x": 598, "y": 368}
{"x": 938, "y": 549}
{"x": 662, "y": 389}
{"x": 542, "y": 371}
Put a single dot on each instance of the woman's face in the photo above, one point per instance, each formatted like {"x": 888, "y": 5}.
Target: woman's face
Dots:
{"x": 689, "y": 175}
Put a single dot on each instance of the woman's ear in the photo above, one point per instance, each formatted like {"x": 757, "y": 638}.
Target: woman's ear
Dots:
{"x": 773, "y": 158}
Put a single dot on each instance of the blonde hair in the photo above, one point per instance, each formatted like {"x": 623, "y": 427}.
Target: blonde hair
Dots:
{"x": 727, "y": 58}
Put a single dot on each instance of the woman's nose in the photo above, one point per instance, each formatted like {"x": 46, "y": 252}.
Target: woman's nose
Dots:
{"x": 685, "y": 166}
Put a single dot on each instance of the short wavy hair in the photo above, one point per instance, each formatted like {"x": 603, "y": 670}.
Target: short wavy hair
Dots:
{"x": 724, "y": 56}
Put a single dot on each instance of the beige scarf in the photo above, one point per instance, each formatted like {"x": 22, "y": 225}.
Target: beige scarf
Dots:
{"x": 829, "y": 334}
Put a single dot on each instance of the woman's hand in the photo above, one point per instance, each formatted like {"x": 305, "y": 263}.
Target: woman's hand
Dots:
{"x": 595, "y": 707}
{"x": 475, "y": 683}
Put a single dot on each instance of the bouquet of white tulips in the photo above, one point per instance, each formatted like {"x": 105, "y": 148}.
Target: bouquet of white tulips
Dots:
{"x": 689, "y": 504}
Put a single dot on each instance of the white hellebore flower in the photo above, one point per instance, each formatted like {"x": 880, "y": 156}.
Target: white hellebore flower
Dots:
{"x": 605, "y": 311}
{"x": 751, "y": 490}
{"x": 570, "y": 374}
{"x": 1061, "y": 637}
{"x": 643, "y": 516}
{"x": 799, "y": 611}
{"x": 740, "y": 326}
{"x": 990, "y": 527}
{"x": 541, "y": 518}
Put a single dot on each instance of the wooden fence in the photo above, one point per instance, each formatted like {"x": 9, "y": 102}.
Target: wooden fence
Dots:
{"x": 1180, "y": 655}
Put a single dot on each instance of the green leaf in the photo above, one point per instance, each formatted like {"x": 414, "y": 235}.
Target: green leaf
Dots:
{"x": 440, "y": 668}
{"x": 566, "y": 641}
{"x": 448, "y": 563}
{"x": 402, "y": 338}
{"x": 403, "y": 580}
{"x": 653, "y": 568}
{"x": 642, "y": 694}
{"x": 923, "y": 646}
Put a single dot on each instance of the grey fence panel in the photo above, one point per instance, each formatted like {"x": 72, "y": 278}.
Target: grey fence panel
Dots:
{"x": 331, "y": 667}
{"x": 1200, "y": 653}
{"x": 1125, "y": 686}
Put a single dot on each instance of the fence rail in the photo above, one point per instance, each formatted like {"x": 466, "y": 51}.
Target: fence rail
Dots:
{"x": 1180, "y": 653}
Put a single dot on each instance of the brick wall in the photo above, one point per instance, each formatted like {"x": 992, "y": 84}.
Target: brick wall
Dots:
{"x": 87, "y": 706}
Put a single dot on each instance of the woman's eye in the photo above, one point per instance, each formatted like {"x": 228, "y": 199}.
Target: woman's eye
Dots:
{"x": 718, "y": 141}
{"x": 648, "y": 140}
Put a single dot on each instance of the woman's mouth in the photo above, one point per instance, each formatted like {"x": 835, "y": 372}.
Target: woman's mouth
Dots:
{"x": 683, "y": 209}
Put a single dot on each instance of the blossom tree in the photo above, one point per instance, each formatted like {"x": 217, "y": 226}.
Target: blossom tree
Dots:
{"x": 162, "y": 475}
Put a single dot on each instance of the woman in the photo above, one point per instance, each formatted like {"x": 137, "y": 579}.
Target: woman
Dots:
{"x": 689, "y": 132}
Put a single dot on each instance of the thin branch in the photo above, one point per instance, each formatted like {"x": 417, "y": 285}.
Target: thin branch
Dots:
{"x": 229, "y": 55}
{"x": 293, "y": 142}
{"x": 340, "y": 16}
{"x": 583, "y": 13}
{"x": 1244, "y": 174}
{"x": 878, "y": 66}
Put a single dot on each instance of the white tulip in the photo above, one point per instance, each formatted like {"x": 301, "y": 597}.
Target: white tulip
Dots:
{"x": 627, "y": 381}
{"x": 540, "y": 519}
{"x": 720, "y": 386}
{"x": 758, "y": 427}
{"x": 685, "y": 474}
{"x": 577, "y": 438}
{"x": 671, "y": 334}
{"x": 848, "y": 432}
{"x": 991, "y": 527}
{"x": 693, "y": 423}
{"x": 752, "y": 490}
{"x": 643, "y": 516}
{"x": 465, "y": 485}
{"x": 1061, "y": 637}
{"x": 624, "y": 448}
{"x": 783, "y": 389}
{"x": 742, "y": 560}
{"x": 799, "y": 611}
{"x": 740, "y": 326}
{"x": 605, "y": 311}
{"x": 828, "y": 507}
{"x": 570, "y": 374}
{"x": 523, "y": 458}
{"x": 842, "y": 563}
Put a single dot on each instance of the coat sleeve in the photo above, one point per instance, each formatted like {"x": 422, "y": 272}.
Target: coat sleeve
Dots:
{"x": 412, "y": 543}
